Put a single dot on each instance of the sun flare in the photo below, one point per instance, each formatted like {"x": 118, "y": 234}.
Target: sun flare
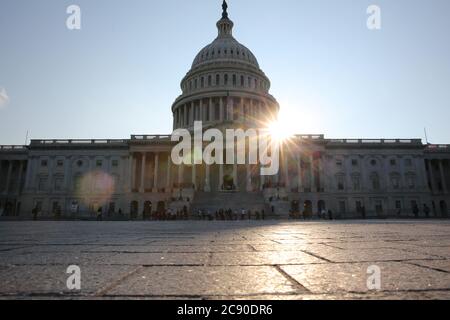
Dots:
{"x": 284, "y": 127}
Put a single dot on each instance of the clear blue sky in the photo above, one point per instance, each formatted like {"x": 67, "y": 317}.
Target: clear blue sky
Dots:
{"x": 120, "y": 74}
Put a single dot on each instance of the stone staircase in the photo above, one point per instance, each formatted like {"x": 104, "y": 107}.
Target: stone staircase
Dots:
{"x": 214, "y": 201}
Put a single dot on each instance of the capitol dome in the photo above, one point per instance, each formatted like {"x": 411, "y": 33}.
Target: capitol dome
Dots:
{"x": 225, "y": 48}
{"x": 225, "y": 85}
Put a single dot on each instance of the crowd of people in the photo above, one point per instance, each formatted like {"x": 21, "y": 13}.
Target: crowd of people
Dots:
{"x": 230, "y": 215}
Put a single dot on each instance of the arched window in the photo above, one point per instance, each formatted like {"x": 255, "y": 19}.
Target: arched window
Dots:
{"x": 217, "y": 79}
{"x": 242, "y": 81}
{"x": 202, "y": 82}
{"x": 234, "y": 80}
{"x": 209, "y": 81}
{"x": 225, "y": 80}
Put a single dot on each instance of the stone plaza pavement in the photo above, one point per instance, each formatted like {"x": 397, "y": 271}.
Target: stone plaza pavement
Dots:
{"x": 225, "y": 260}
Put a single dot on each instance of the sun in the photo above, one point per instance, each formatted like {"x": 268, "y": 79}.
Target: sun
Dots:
{"x": 282, "y": 129}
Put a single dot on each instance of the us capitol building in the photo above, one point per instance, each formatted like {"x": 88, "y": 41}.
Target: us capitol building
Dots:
{"x": 225, "y": 88}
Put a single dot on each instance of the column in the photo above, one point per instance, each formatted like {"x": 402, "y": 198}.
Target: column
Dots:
{"x": 208, "y": 179}
{"x": 299, "y": 172}
{"x": 212, "y": 116}
{"x": 50, "y": 175}
{"x": 262, "y": 178}
{"x": 169, "y": 173}
{"x": 8, "y": 177}
{"x": 313, "y": 182}
{"x": 241, "y": 108}
{"x": 286, "y": 170}
{"x": 191, "y": 117}
{"x": 230, "y": 108}
{"x": 67, "y": 173}
{"x": 249, "y": 178}
{"x": 180, "y": 175}
{"x": 348, "y": 174}
{"x": 29, "y": 173}
{"x": 321, "y": 174}
{"x": 441, "y": 169}
{"x": 186, "y": 115}
{"x": 220, "y": 177}
{"x": 19, "y": 181}
{"x": 131, "y": 166}
{"x": 155, "y": 174}
{"x": 221, "y": 109}
{"x": 194, "y": 176}
{"x": 144, "y": 160}
{"x": 432, "y": 179}
{"x": 420, "y": 164}
{"x": 235, "y": 176}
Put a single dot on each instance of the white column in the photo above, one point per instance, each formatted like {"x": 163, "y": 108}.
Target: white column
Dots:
{"x": 432, "y": 178}
{"x": 144, "y": 160}
{"x": 249, "y": 178}
{"x": 194, "y": 176}
{"x": 212, "y": 116}
{"x": 230, "y": 108}
{"x": 321, "y": 174}
{"x": 131, "y": 175}
{"x": 241, "y": 107}
{"x": 420, "y": 164}
{"x": 235, "y": 176}
{"x": 348, "y": 173}
{"x": 221, "y": 109}
{"x": 169, "y": 173}
{"x": 67, "y": 173}
{"x": 444, "y": 183}
{"x": 29, "y": 173}
{"x": 180, "y": 175}
{"x": 191, "y": 117}
{"x": 8, "y": 177}
{"x": 50, "y": 175}
{"x": 155, "y": 174}
{"x": 262, "y": 178}
{"x": 313, "y": 182}
{"x": 299, "y": 172}
{"x": 19, "y": 182}
{"x": 208, "y": 179}
{"x": 286, "y": 170}
{"x": 186, "y": 115}
{"x": 220, "y": 177}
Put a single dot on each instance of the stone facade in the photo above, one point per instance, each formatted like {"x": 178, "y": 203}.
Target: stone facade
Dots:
{"x": 225, "y": 88}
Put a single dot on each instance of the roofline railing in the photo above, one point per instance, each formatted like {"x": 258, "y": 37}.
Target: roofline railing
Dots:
{"x": 13, "y": 148}
{"x": 376, "y": 141}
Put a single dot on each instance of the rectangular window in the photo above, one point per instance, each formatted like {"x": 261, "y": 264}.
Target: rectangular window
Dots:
{"x": 99, "y": 163}
{"x": 356, "y": 183}
{"x": 42, "y": 184}
{"x": 393, "y": 162}
{"x": 59, "y": 184}
{"x": 408, "y": 162}
{"x": 115, "y": 163}
{"x": 340, "y": 183}
{"x": 354, "y": 162}
{"x": 44, "y": 163}
{"x": 59, "y": 163}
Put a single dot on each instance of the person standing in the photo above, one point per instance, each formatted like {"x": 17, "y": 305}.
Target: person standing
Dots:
{"x": 34, "y": 213}
{"x": 99, "y": 214}
{"x": 426, "y": 210}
